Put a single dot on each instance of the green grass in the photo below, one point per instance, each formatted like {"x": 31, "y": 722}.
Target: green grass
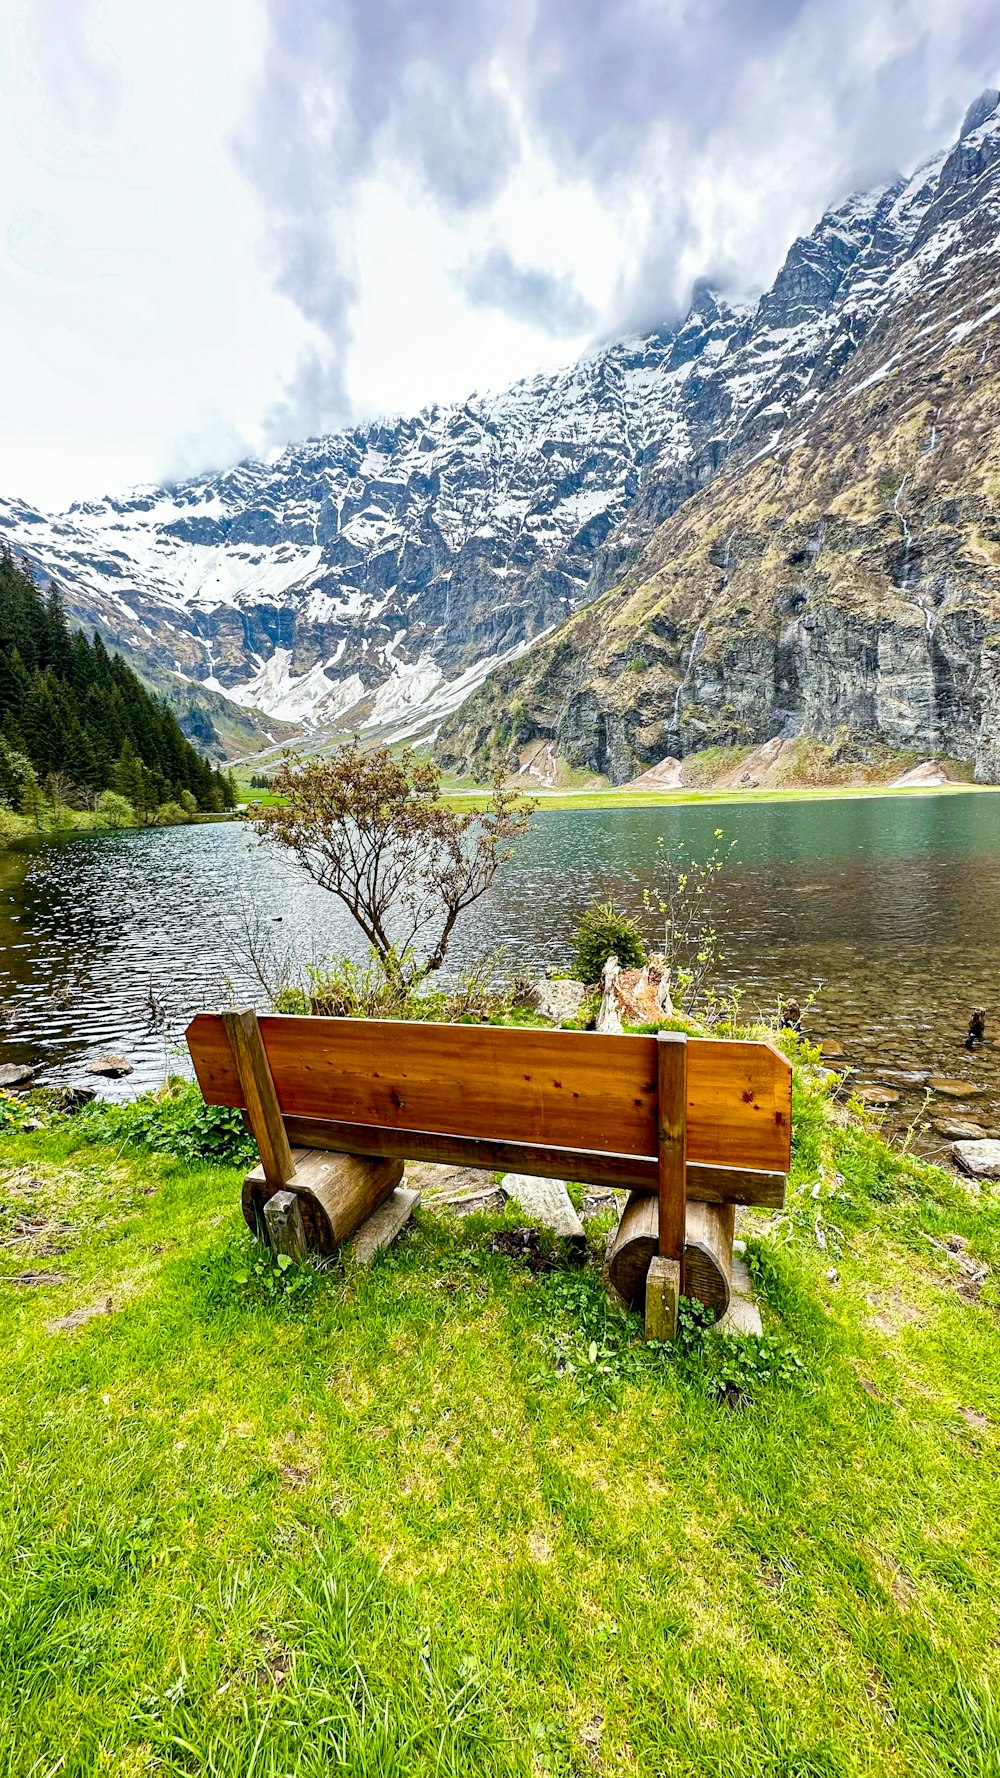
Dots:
{"x": 449, "y": 1517}
{"x": 637, "y": 799}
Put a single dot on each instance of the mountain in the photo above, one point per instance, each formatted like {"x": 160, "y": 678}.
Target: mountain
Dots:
{"x": 838, "y": 576}
{"x": 770, "y": 519}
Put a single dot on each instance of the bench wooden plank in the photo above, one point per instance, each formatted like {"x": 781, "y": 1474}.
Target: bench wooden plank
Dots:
{"x": 552, "y": 1089}
{"x": 621, "y": 1172}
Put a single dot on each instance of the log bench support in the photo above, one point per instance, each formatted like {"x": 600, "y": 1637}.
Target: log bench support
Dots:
{"x": 299, "y": 1200}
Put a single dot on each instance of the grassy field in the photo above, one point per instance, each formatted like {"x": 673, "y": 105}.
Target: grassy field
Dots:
{"x": 642, "y": 799}
{"x": 450, "y": 1517}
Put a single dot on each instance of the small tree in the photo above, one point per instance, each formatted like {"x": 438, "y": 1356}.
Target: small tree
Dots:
{"x": 371, "y": 828}
{"x": 114, "y": 810}
{"x": 604, "y": 931}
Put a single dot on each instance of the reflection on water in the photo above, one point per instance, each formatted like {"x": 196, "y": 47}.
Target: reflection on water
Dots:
{"x": 888, "y": 911}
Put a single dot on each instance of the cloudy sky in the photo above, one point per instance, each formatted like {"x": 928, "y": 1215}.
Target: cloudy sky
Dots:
{"x": 227, "y": 223}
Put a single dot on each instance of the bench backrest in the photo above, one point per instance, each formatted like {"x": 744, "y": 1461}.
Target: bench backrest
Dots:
{"x": 564, "y": 1103}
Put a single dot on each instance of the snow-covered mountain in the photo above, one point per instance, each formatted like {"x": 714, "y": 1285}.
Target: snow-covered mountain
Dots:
{"x": 839, "y": 575}
{"x": 375, "y": 577}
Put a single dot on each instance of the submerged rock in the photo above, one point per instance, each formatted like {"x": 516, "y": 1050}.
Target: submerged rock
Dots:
{"x": 959, "y": 1129}
{"x": 952, "y": 1089}
{"x": 874, "y": 1097}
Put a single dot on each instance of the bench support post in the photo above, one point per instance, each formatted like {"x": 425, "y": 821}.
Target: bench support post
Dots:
{"x": 663, "y": 1295}
{"x": 263, "y": 1109}
{"x": 665, "y": 1284}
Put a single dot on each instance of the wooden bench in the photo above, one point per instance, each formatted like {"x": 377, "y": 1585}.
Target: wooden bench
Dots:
{"x": 689, "y": 1129}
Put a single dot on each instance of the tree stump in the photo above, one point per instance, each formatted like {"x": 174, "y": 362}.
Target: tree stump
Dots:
{"x": 708, "y": 1251}
{"x": 335, "y": 1192}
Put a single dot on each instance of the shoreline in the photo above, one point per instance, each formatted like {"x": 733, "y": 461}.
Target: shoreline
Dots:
{"x": 637, "y": 799}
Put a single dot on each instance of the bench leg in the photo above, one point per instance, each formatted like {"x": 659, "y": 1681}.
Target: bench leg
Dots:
{"x": 285, "y": 1228}
{"x": 663, "y": 1295}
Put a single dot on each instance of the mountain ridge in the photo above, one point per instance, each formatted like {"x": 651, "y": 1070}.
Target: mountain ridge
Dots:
{"x": 373, "y": 579}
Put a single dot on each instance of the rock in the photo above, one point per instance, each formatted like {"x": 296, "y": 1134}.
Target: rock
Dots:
{"x": 980, "y": 1159}
{"x": 952, "y": 1089}
{"x": 383, "y": 1225}
{"x": 928, "y": 772}
{"x": 110, "y": 1067}
{"x": 876, "y": 1097}
{"x": 904, "y": 1077}
{"x": 12, "y": 1077}
{"x": 830, "y": 1050}
{"x": 959, "y": 1129}
{"x": 742, "y": 1316}
{"x": 556, "y": 1000}
{"x": 545, "y": 1201}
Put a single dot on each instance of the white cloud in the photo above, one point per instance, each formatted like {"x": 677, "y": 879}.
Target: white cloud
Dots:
{"x": 229, "y": 222}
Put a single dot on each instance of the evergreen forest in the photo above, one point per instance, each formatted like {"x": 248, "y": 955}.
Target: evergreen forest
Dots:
{"x": 77, "y": 726}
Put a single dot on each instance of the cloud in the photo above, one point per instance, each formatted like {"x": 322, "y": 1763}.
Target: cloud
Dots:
{"x": 709, "y": 133}
{"x": 541, "y": 298}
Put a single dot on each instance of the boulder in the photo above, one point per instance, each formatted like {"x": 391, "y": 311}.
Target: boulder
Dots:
{"x": 556, "y": 1000}
{"x": 952, "y": 1089}
{"x": 981, "y": 1159}
{"x": 110, "y": 1067}
{"x": 12, "y": 1077}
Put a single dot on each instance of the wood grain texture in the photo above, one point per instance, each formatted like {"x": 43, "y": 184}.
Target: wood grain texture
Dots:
{"x": 671, "y": 1137}
{"x": 336, "y": 1192}
{"x": 242, "y": 1039}
{"x": 708, "y": 1249}
{"x": 285, "y": 1229}
{"x": 570, "y": 1089}
{"x": 736, "y": 1185}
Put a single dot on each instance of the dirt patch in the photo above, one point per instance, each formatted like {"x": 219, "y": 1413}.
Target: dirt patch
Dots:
{"x": 525, "y": 1245}
{"x": 79, "y": 1317}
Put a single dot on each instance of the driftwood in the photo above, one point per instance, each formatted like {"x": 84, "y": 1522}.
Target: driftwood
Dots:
{"x": 633, "y": 996}
{"x": 335, "y": 1193}
{"x": 708, "y": 1251}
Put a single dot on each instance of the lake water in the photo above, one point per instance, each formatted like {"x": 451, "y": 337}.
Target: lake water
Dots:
{"x": 886, "y": 910}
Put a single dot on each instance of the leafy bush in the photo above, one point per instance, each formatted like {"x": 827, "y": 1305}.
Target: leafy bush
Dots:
{"x": 175, "y": 1121}
{"x": 604, "y": 932}
{"x": 114, "y": 810}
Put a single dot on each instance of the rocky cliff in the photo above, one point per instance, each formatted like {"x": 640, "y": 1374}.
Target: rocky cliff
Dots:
{"x": 839, "y": 575}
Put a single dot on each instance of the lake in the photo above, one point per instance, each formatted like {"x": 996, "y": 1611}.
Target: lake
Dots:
{"x": 886, "y": 910}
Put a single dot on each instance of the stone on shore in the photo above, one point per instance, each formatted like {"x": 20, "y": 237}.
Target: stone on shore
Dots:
{"x": 556, "y": 999}
{"x": 980, "y": 1159}
{"x": 12, "y": 1077}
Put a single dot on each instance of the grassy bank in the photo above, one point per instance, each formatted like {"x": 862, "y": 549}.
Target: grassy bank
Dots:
{"x": 450, "y": 1517}
{"x": 477, "y": 798}
{"x": 641, "y": 799}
